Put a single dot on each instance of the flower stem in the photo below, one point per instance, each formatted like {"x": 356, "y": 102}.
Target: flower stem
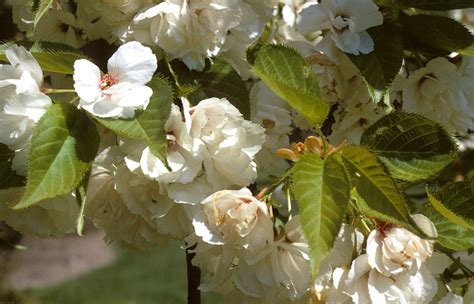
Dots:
{"x": 194, "y": 278}
{"x": 58, "y": 91}
{"x": 465, "y": 270}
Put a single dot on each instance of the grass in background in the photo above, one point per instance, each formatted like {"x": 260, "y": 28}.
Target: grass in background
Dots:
{"x": 154, "y": 277}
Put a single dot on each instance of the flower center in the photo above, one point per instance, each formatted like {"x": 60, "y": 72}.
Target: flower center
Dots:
{"x": 106, "y": 81}
{"x": 269, "y": 125}
{"x": 340, "y": 23}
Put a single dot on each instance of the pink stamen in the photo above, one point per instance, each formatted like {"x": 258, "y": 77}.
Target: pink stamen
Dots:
{"x": 106, "y": 81}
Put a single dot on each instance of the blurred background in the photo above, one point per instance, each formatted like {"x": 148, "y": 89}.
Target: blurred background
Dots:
{"x": 85, "y": 270}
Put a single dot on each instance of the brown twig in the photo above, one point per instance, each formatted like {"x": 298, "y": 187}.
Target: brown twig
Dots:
{"x": 194, "y": 278}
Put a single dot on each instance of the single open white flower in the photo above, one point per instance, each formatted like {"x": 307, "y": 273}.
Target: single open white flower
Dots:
{"x": 442, "y": 92}
{"x": 122, "y": 90}
{"x": 396, "y": 250}
{"x": 347, "y": 21}
{"x": 234, "y": 217}
{"x": 231, "y": 143}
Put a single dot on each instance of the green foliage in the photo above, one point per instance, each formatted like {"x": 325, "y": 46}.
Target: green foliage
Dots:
{"x": 222, "y": 81}
{"x": 436, "y": 5}
{"x": 52, "y": 57}
{"x": 8, "y": 177}
{"x": 322, "y": 189}
{"x": 42, "y": 7}
{"x": 380, "y": 67}
{"x": 148, "y": 125}
{"x": 450, "y": 235}
{"x": 455, "y": 201}
{"x": 62, "y": 149}
{"x": 434, "y": 35}
{"x": 412, "y": 147}
{"x": 288, "y": 74}
{"x": 468, "y": 51}
{"x": 376, "y": 191}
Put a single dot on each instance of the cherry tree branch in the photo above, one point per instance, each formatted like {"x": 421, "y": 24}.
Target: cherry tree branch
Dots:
{"x": 194, "y": 278}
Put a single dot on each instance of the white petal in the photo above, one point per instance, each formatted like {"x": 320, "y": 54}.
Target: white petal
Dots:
{"x": 26, "y": 84}
{"x": 202, "y": 230}
{"x": 452, "y": 298}
{"x": 31, "y": 106}
{"x": 86, "y": 80}
{"x": 312, "y": 17}
{"x": 425, "y": 225}
{"x": 15, "y": 130}
{"x": 8, "y": 72}
{"x": 138, "y": 98}
{"x": 19, "y": 162}
{"x": 366, "y": 43}
{"x": 20, "y": 58}
{"x": 133, "y": 63}
{"x": 104, "y": 107}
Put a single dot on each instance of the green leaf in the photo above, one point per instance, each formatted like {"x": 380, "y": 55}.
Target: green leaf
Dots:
{"x": 450, "y": 235}
{"x": 148, "y": 125}
{"x": 52, "y": 57}
{"x": 434, "y": 35}
{"x": 322, "y": 189}
{"x": 455, "y": 201}
{"x": 468, "y": 51}
{"x": 222, "y": 81}
{"x": 289, "y": 75}
{"x": 411, "y": 146}
{"x": 43, "y": 6}
{"x": 380, "y": 67}
{"x": 62, "y": 149}
{"x": 8, "y": 177}
{"x": 379, "y": 196}
{"x": 436, "y": 5}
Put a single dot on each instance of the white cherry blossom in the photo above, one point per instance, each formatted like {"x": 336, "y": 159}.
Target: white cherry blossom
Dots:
{"x": 22, "y": 103}
{"x": 234, "y": 217}
{"x": 122, "y": 90}
{"x": 442, "y": 92}
{"x": 117, "y": 195}
{"x": 346, "y": 20}
{"x": 52, "y": 217}
{"x": 395, "y": 250}
{"x": 231, "y": 142}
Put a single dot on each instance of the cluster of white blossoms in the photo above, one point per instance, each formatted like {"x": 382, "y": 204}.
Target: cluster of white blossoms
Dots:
{"x": 392, "y": 269}
{"x": 442, "y": 92}
{"x": 22, "y": 104}
{"x": 210, "y": 189}
{"x": 236, "y": 246}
